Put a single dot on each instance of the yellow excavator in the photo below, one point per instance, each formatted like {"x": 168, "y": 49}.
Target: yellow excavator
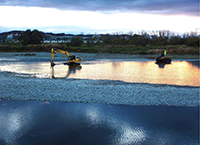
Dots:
{"x": 73, "y": 60}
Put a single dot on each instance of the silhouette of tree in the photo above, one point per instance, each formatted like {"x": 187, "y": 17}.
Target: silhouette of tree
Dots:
{"x": 31, "y": 37}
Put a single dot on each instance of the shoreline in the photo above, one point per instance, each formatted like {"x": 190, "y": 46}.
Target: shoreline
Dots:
{"x": 43, "y": 102}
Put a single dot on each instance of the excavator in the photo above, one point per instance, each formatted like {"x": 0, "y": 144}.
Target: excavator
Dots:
{"x": 161, "y": 58}
{"x": 73, "y": 60}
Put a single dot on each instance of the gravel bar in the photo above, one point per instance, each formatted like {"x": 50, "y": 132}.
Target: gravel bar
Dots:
{"x": 15, "y": 87}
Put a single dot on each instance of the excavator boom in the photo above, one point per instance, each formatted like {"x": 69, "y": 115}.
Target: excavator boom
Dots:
{"x": 54, "y": 50}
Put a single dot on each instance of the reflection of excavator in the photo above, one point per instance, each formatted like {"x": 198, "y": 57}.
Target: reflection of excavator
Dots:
{"x": 71, "y": 70}
{"x": 161, "y": 58}
{"x": 72, "y": 59}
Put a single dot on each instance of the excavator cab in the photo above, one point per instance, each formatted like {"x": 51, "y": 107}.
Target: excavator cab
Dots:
{"x": 72, "y": 58}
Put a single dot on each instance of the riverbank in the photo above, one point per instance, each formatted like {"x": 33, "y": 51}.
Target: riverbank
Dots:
{"x": 102, "y": 49}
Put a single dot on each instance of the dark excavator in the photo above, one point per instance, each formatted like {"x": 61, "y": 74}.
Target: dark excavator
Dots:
{"x": 161, "y": 58}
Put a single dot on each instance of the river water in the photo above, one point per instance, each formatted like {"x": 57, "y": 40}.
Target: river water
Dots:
{"x": 139, "y": 71}
{"x": 179, "y": 72}
{"x": 34, "y": 122}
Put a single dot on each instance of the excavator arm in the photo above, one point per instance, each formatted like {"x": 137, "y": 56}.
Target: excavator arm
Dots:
{"x": 54, "y": 50}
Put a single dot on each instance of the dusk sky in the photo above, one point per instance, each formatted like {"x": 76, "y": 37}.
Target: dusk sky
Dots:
{"x": 99, "y": 16}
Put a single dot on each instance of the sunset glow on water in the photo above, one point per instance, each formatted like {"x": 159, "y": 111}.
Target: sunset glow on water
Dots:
{"x": 176, "y": 73}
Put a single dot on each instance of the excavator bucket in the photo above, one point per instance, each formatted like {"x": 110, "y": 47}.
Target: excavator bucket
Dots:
{"x": 52, "y": 64}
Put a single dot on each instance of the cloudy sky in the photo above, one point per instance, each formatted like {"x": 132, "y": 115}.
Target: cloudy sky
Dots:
{"x": 99, "y": 16}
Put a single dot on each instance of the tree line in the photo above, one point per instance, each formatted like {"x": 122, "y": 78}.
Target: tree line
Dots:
{"x": 154, "y": 38}
{"x": 158, "y": 38}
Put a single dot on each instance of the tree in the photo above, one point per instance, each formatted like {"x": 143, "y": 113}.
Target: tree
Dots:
{"x": 91, "y": 41}
{"x": 107, "y": 39}
{"x": 76, "y": 41}
{"x": 58, "y": 39}
{"x": 31, "y": 37}
{"x": 134, "y": 40}
{"x": 193, "y": 41}
{"x": 176, "y": 40}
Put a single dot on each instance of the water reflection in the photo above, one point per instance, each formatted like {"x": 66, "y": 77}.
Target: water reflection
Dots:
{"x": 14, "y": 120}
{"x": 33, "y": 122}
{"x": 176, "y": 73}
{"x": 131, "y": 135}
{"x": 71, "y": 70}
{"x": 195, "y": 63}
{"x": 161, "y": 65}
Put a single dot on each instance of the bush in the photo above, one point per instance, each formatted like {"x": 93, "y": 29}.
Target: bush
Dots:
{"x": 76, "y": 41}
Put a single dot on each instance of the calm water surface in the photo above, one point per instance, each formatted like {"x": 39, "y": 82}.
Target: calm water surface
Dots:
{"x": 34, "y": 122}
{"x": 140, "y": 71}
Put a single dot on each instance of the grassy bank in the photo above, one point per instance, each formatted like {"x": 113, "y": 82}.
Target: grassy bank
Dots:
{"x": 113, "y": 49}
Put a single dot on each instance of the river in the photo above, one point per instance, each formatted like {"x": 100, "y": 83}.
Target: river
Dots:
{"x": 179, "y": 72}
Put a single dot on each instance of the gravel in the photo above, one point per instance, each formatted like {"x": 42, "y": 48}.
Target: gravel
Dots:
{"x": 27, "y": 87}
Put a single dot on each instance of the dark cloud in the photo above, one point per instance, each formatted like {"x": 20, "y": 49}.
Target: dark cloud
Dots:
{"x": 168, "y": 7}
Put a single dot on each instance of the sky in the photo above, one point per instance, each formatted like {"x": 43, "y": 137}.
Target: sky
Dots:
{"x": 100, "y": 16}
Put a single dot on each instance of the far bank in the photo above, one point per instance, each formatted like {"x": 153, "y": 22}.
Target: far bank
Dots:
{"x": 110, "y": 49}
